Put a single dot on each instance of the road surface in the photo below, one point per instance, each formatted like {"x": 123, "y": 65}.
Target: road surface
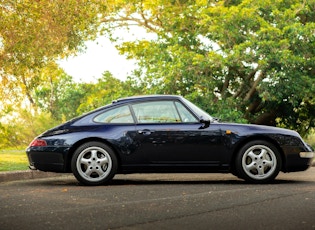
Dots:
{"x": 160, "y": 201}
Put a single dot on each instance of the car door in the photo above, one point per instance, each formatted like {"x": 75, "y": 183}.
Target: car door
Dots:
{"x": 170, "y": 135}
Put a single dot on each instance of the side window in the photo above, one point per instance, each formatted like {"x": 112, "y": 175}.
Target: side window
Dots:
{"x": 156, "y": 112}
{"x": 185, "y": 114}
{"x": 117, "y": 115}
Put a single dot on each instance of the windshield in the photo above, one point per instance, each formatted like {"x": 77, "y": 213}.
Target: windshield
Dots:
{"x": 201, "y": 113}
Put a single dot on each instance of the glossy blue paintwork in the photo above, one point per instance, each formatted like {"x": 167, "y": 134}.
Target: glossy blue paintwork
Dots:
{"x": 159, "y": 147}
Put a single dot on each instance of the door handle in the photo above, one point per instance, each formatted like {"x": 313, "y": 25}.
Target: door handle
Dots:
{"x": 145, "y": 132}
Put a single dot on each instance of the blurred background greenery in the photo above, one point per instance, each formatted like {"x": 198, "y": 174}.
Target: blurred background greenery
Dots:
{"x": 242, "y": 61}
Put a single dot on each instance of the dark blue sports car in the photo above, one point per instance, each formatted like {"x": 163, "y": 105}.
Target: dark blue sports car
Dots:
{"x": 165, "y": 134}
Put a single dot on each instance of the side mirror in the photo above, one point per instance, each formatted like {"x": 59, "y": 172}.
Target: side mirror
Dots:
{"x": 205, "y": 123}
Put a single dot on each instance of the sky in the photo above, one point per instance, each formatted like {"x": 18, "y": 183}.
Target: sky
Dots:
{"x": 100, "y": 56}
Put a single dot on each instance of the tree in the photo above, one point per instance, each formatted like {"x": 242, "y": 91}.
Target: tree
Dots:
{"x": 34, "y": 34}
{"x": 105, "y": 91}
{"x": 19, "y": 130}
{"x": 60, "y": 96}
{"x": 254, "y": 57}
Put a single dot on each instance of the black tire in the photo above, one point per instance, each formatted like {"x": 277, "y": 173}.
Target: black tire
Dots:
{"x": 94, "y": 163}
{"x": 258, "y": 162}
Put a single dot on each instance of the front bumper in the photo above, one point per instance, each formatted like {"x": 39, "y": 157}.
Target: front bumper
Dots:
{"x": 307, "y": 154}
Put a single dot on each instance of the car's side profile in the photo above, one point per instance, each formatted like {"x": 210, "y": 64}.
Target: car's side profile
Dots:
{"x": 165, "y": 133}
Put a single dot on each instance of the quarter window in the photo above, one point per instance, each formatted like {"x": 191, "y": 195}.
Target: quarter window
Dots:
{"x": 117, "y": 115}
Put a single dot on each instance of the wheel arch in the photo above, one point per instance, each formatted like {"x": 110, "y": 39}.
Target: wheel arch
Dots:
{"x": 86, "y": 140}
{"x": 257, "y": 138}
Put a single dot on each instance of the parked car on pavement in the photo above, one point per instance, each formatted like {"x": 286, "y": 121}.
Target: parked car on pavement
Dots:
{"x": 165, "y": 134}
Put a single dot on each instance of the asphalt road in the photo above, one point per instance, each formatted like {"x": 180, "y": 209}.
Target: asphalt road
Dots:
{"x": 160, "y": 201}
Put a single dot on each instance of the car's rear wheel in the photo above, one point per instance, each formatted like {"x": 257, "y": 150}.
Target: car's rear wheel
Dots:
{"x": 94, "y": 163}
{"x": 258, "y": 162}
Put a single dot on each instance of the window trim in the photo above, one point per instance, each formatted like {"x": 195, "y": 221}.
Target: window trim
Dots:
{"x": 115, "y": 123}
{"x": 161, "y": 123}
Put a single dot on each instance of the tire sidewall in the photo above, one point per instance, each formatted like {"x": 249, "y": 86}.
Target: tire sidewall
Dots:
{"x": 76, "y": 155}
{"x": 239, "y": 164}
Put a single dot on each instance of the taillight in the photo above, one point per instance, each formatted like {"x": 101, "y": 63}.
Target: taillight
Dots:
{"x": 38, "y": 142}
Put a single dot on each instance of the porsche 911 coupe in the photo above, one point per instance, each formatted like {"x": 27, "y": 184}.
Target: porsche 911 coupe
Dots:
{"x": 165, "y": 134}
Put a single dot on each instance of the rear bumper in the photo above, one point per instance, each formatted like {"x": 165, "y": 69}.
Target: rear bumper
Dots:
{"x": 48, "y": 161}
{"x": 50, "y": 167}
{"x": 32, "y": 167}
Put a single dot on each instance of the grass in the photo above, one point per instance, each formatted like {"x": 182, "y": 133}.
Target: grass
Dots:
{"x": 16, "y": 159}
{"x": 13, "y": 159}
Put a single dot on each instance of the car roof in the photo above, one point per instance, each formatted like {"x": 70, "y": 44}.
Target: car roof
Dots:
{"x": 146, "y": 97}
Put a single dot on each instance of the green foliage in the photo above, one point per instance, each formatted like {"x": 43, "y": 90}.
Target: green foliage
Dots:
{"x": 33, "y": 35}
{"x": 310, "y": 139}
{"x": 61, "y": 97}
{"x": 33, "y": 32}
{"x": 19, "y": 129}
{"x": 105, "y": 91}
{"x": 241, "y": 60}
{"x": 254, "y": 57}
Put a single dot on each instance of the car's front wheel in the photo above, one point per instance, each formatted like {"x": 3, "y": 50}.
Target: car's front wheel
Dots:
{"x": 258, "y": 162}
{"x": 94, "y": 163}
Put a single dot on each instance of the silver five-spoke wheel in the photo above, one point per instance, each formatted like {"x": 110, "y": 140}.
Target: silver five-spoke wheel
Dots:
{"x": 258, "y": 161}
{"x": 94, "y": 163}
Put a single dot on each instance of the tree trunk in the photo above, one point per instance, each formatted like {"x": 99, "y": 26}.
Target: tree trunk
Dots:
{"x": 267, "y": 118}
{"x": 27, "y": 92}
